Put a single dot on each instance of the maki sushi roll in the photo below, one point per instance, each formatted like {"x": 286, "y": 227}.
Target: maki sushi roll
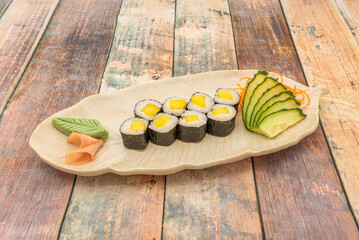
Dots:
{"x": 227, "y": 96}
{"x": 192, "y": 126}
{"x": 200, "y": 102}
{"x": 175, "y": 106}
{"x": 134, "y": 133}
{"x": 147, "y": 109}
{"x": 163, "y": 129}
{"x": 221, "y": 120}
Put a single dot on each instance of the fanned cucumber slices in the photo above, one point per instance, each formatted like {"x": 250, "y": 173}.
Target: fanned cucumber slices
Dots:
{"x": 268, "y": 107}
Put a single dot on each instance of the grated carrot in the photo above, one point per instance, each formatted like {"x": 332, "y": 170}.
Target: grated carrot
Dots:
{"x": 241, "y": 89}
{"x": 281, "y": 77}
{"x": 299, "y": 94}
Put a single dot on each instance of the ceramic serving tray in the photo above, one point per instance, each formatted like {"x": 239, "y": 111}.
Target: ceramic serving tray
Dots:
{"x": 112, "y": 108}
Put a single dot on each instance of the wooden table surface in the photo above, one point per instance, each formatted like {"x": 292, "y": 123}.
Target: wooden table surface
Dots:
{"x": 54, "y": 53}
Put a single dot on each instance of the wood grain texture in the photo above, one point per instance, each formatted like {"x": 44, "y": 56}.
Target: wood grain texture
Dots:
{"x": 143, "y": 44}
{"x": 127, "y": 207}
{"x": 329, "y": 55}
{"x": 300, "y": 188}
{"x": 204, "y": 40}
{"x": 21, "y": 27}
{"x": 4, "y": 4}
{"x": 349, "y": 9}
{"x": 66, "y": 67}
{"x": 214, "y": 203}
{"x": 218, "y": 202}
{"x": 115, "y": 207}
{"x": 299, "y": 192}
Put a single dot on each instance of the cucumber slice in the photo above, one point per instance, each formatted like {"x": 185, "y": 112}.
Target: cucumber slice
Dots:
{"x": 256, "y": 80}
{"x": 273, "y": 91}
{"x": 286, "y": 104}
{"x": 279, "y": 97}
{"x": 257, "y": 94}
{"x": 277, "y": 122}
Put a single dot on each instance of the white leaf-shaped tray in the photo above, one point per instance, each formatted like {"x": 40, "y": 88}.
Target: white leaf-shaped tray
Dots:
{"x": 112, "y": 108}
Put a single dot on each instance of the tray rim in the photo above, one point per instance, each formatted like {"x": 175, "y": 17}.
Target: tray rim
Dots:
{"x": 183, "y": 166}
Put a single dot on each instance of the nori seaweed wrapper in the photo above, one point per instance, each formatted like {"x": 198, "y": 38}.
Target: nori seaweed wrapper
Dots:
{"x": 235, "y": 106}
{"x": 192, "y": 134}
{"x": 135, "y": 141}
{"x": 163, "y": 139}
{"x": 220, "y": 128}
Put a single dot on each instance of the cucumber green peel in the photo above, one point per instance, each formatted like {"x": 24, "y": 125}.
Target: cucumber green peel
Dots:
{"x": 267, "y": 83}
{"x": 271, "y": 92}
{"x": 279, "y": 97}
{"x": 277, "y": 122}
{"x": 268, "y": 108}
{"x": 257, "y": 79}
{"x": 289, "y": 103}
{"x": 89, "y": 127}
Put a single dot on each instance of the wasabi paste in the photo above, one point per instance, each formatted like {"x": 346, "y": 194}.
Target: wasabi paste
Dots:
{"x": 89, "y": 127}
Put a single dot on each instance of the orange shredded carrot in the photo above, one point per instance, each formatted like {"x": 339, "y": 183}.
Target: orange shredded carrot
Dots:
{"x": 245, "y": 78}
{"x": 281, "y": 77}
{"x": 300, "y": 98}
{"x": 300, "y": 95}
{"x": 306, "y": 94}
{"x": 243, "y": 89}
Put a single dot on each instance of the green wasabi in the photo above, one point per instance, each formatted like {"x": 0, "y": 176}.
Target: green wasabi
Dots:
{"x": 89, "y": 127}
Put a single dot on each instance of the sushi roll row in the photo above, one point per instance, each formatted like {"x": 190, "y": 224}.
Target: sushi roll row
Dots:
{"x": 178, "y": 118}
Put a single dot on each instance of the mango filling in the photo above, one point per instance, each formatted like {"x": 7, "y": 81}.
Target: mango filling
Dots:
{"x": 199, "y": 100}
{"x": 150, "y": 110}
{"x": 177, "y": 104}
{"x": 225, "y": 94}
{"x": 220, "y": 111}
{"x": 190, "y": 118}
{"x": 161, "y": 121}
{"x": 138, "y": 125}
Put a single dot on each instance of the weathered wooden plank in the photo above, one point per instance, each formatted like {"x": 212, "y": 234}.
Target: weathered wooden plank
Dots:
{"x": 329, "y": 56}
{"x": 127, "y": 207}
{"x": 4, "y": 4}
{"x": 299, "y": 191}
{"x": 143, "y": 45}
{"x": 214, "y": 203}
{"x": 349, "y": 9}
{"x": 66, "y": 67}
{"x": 21, "y": 28}
{"x": 219, "y": 202}
{"x": 114, "y": 207}
{"x": 204, "y": 40}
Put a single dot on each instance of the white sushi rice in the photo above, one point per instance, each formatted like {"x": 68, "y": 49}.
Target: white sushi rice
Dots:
{"x": 235, "y": 96}
{"x": 167, "y": 109}
{"x": 142, "y": 104}
{"x": 222, "y": 117}
{"x": 126, "y": 126}
{"x": 167, "y": 127}
{"x": 202, "y": 119}
{"x": 209, "y": 102}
